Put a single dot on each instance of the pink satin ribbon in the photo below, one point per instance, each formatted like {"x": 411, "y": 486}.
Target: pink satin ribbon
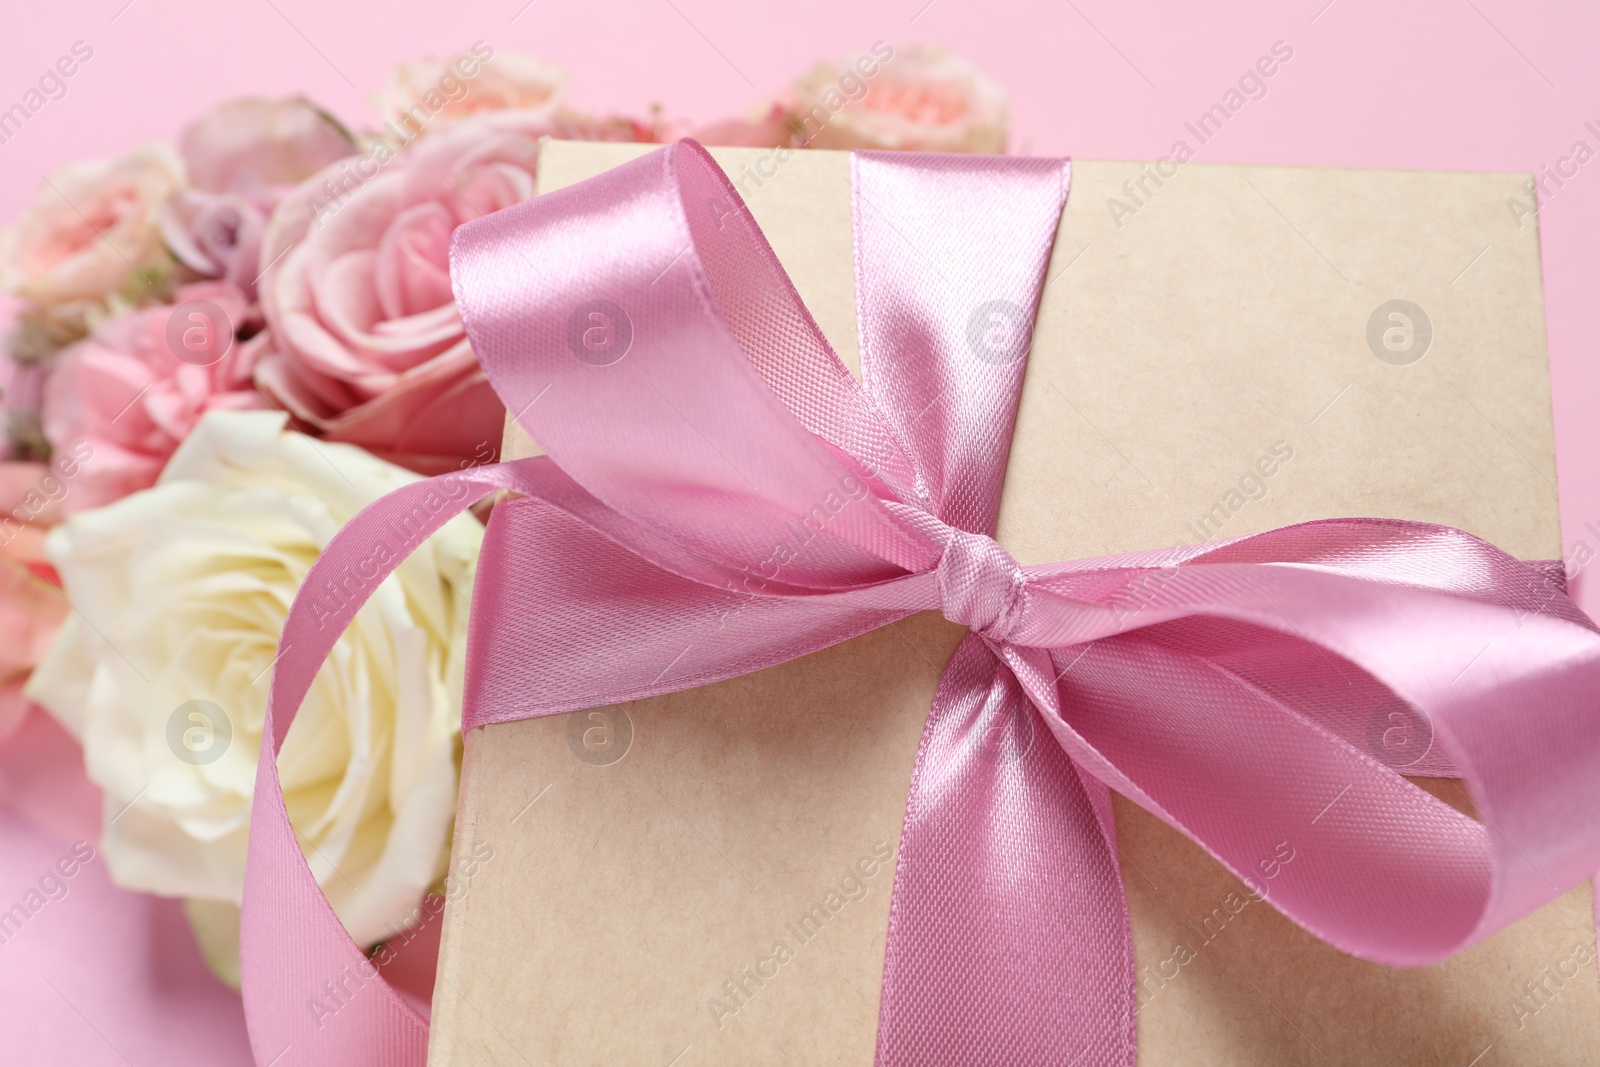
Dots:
{"x": 720, "y": 495}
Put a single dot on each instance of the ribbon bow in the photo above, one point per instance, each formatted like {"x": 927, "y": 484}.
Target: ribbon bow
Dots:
{"x": 709, "y": 454}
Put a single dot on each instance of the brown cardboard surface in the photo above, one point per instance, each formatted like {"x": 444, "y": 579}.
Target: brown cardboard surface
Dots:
{"x": 1224, "y": 319}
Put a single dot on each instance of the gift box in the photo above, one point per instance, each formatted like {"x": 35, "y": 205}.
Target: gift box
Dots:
{"x": 704, "y": 877}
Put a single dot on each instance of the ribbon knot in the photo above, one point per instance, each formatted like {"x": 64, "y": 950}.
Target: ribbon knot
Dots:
{"x": 981, "y": 586}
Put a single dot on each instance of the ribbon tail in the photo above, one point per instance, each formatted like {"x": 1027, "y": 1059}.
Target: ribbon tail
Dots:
{"x": 293, "y": 949}
{"x": 1008, "y": 937}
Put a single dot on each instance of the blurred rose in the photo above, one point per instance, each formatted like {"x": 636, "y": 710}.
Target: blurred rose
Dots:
{"x": 91, "y": 234}
{"x": 218, "y": 235}
{"x": 239, "y": 155}
{"x": 367, "y": 345}
{"x": 443, "y": 90}
{"x": 767, "y": 127}
{"x": 140, "y": 382}
{"x": 571, "y": 125}
{"x": 31, "y": 494}
{"x": 31, "y": 610}
{"x": 30, "y": 613}
{"x": 254, "y": 142}
{"x": 36, "y": 335}
{"x": 187, "y": 586}
{"x": 919, "y": 99}
{"x": 31, "y": 489}
{"x": 21, "y": 397}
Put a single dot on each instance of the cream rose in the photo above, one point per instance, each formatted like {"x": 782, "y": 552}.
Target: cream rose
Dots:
{"x": 91, "y": 235}
{"x": 181, "y": 591}
{"x": 419, "y": 95}
{"x": 916, "y": 99}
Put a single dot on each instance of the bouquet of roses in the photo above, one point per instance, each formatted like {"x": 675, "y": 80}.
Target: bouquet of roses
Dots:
{"x": 222, "y": 350}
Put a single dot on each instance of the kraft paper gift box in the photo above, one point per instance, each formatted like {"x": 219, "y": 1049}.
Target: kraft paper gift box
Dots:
{"x": 1246, "y": 348}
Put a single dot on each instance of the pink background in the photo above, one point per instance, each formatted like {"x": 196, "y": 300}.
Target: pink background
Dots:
{"x": 1453, "y": 84}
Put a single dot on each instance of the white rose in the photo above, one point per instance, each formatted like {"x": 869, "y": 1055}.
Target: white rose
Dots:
{"x": 181, "y": 591}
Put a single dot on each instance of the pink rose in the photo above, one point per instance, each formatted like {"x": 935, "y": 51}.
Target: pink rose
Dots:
{"x": 240, "y": 155}
{"x": 30, "y": 614}
{"x": 250, "y": 143}
{"x": 31, "y": 492}
{"x": 367, "y": 345}
{"x": 582, "y": 126}
{"x": 91, "y": 234}
{"x": 767, "y": 127}
{"x": 31, "y": 610}
{"x": 919, "y": 99}
{"x": 123, "y": 398}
